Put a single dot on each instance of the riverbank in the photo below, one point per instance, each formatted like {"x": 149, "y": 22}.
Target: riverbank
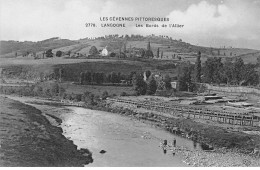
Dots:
{"x": 27, "y": 138}
{"x": 231, "y": 148}
{"x": 127, "y": 142}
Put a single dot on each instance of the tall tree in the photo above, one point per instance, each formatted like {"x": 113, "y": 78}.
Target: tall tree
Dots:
{"x": 49, "y": 53}
{"x": 158, "y": 52}
{"x": 139, "y": 84}
{"x": 151, "y": 86}
{"x": 130, "y": 76}
{"x": 114, "y": 77}
{"x": 258, "y": 60}
{"x": 167, "y": 81}
{"x": 82, "y": 78}
{"x": 93, "y": 50}
{"x": 238, "y": 70}
{"x": 228, "y": 67}
{"x": 185, "y": 77}
{"x": 149, "y": 54}
{"x": 148, "y": 46}
{"x": 212, "y": 70}
{"x": 120, "y": 52}
{"x": 126, "y": 37}
{"x": 124, "y": 47}
{"x": 142, "y": 52}
{"x": 88, "y": 77}
{"x": 147, "y": 74}
{"x": 100, "y": 78}
{"x": 250, "y": 75}
{"x": 198, "y": 68}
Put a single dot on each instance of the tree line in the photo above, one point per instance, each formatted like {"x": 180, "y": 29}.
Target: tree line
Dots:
{"x": 137, "y": 80}
{"x": 216, "y": 71}
{"x": 150, "y": 85}
{"x": 101, "y": 78}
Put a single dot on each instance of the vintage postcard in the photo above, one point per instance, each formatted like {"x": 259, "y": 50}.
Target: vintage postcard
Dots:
{"x": 130, "y": 83}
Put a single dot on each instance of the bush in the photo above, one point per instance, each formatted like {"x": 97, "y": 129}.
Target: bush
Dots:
{"x": 78, "y": 97}
{"x": 123, "y": 94}
{"x": 112, "y": 54}
{"x": 151, "y": 86}
{"x": 93, "y": 50}
{"x": 58, "y": 53}
{"x": 49, "y": 53}
{"x": 149, "y": 54}
{"x": 104, "y": 95}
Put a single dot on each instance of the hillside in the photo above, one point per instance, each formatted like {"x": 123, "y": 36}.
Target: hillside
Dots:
{"x": 10, "y": 48}
{"x": 169, "y": 49}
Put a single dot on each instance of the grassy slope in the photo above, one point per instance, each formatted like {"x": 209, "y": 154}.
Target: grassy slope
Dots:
{"x": 169, "y": 47}
{"x": 8, "y": 48}
{"x": 28, "y": 139}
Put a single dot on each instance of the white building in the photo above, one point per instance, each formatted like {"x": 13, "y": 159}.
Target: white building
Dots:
{"x": 174, "y": 84}
{"x": 104, "y": 52}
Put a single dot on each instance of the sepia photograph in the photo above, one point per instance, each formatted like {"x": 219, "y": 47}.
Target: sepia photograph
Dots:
{"x": 130, "y": 83}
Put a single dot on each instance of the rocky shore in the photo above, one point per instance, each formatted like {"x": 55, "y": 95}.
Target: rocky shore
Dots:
{"x": 28, "y": 139}
{"x": 218, "y": 158}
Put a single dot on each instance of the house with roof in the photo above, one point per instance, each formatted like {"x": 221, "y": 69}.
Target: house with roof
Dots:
{"x": 104, "y": 52}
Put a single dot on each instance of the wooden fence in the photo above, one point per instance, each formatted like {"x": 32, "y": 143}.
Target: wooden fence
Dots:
{"x": 243, "y": 119}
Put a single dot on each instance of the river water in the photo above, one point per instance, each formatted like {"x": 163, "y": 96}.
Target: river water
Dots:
{"x": 127, "y": 142}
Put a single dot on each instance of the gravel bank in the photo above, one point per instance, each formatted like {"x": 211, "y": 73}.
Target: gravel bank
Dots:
{"x": 217, "y": 158}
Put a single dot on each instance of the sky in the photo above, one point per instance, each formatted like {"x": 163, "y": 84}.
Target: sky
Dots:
{"x": 213, "y": 23}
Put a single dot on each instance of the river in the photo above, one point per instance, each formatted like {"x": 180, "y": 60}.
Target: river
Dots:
{"x": 127, "y": 141}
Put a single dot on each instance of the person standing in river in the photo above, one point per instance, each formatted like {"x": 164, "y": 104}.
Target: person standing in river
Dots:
{"x": 174, "y": 142}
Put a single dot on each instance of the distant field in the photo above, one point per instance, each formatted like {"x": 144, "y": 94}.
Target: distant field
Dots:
{"x": 97, "y": 90}
{"x": 31, "y": 61}
{"x": 32, "y": 69}
{"x": 53, "y": 61}
{"x": 72, "y": 71}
